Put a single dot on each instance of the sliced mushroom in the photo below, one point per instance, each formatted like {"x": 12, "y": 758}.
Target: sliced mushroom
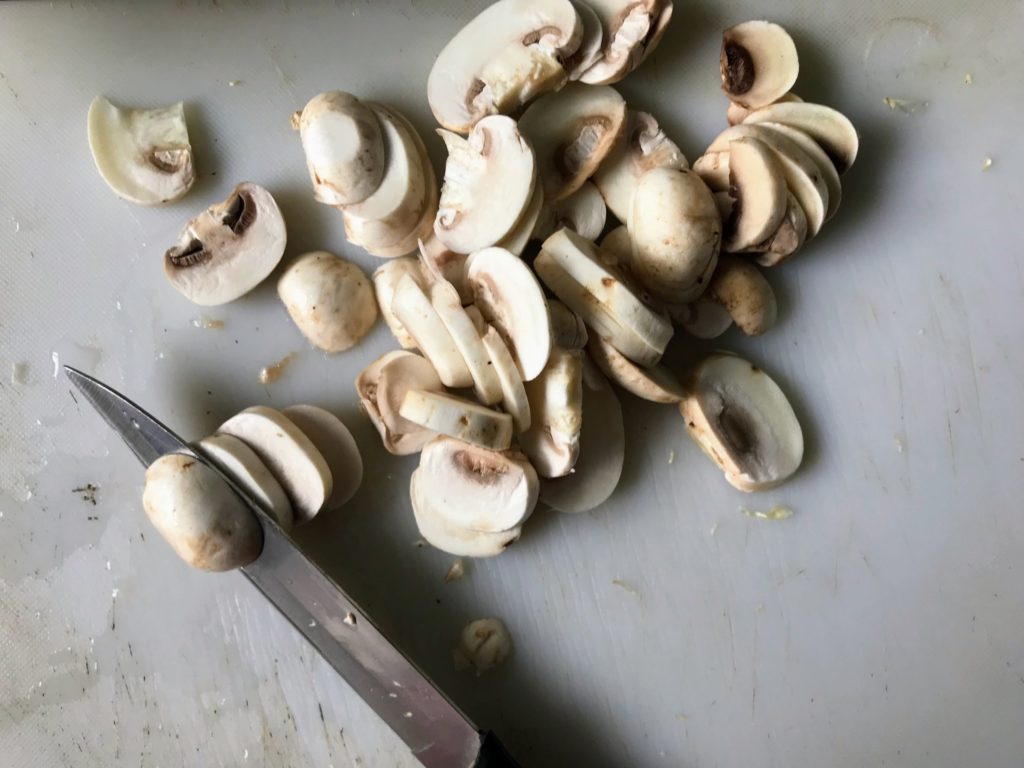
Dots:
{"x": 414, "y": 310}
{"x": 706, "y": 319}
{"x": 591, "y": 42}
{"x": 394, "y": 380}
{"x": 632, "y": 29}
{"x": 385, "y": 281}
{"x": 742, "y": 420}
{"x": 240, "y": 463}
{"x": 407, "y": 244}
{"x": 335, "y": 443}
{"x": 286, "y": 451}
{"x": 197, "y": 513}
{"x": 475, "y": 210}
{"x": 228, "y": 249}
{"x": 644, "y": 146}
{"x": 825, "y": 165}
{"x": 749, "y": 299}
{"x": 568, "y": 330}
{"x": 508, "y": 54}
{"x": 584, "y": 212}
{"x": 514, "y": 399}
{"x": 759, "y": 63}
{"x": 329, "y": 299}
{"x": 788, "y": 238}
{"x": 657, "y": 383}
{"x": 736, "y": 113}
{"x": 344, "y": 148}
{"x": 556, "y": 405}
{"x": 480, "y": 323}
{"x": 619, "y": 244}
{"x": 758, "y": 187}
{"x": 143, "y": 155}
{"x": 453, "y": 416}
{"x": 369, "y": 391}
{"x": 831, "y": 129}
{"x": 445, "y": 300}
{"x": 572, "y": 131}
{"x": 510, "y": 298}
{"x": 713, "y": 169}
{"x": 483, "y": 645}
{"x": 440, "y": 263}
{"x": 676, "y": 231}
{"x": 515, "y": 241}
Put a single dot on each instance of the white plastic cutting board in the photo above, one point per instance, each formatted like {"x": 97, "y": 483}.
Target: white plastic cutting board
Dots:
{"x": 881, "y": 625}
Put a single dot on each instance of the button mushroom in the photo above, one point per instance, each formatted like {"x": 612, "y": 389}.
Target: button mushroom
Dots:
{"x": 656, "y": 384}
{"x": 335, "y": 443}
{"x": 584, "y": 212}
{"x": 556, "y": 405}
{"x": 831, "y": 129}
{"x": 385, "y": 281}
{"x": 370, "y": 397}
{"x": 238, "y": 461}
{"x": 745, "y": 294}
{"x": 454, "y": 416}
{"x": 758, "y": 188}
{"x": 632, "y": 30}
{"x": 759, "y": 63}
{"x": 414, "y": 310}
{"x": 483, "y": 645}
{"x": 228, "y": 249}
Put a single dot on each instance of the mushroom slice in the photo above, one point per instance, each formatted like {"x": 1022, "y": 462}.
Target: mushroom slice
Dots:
{"x": 409, "y": 243}
{"x": 143, "y": 154}
{"x": 572, "y": 131}
{"x": 330, "y": 300}
{"x": 581, "y": 276}
{"x": 456, "y": 417}
{"x": 394, "y": 380}
{"x": 759, "y": 63}
{"x": 439, "y": 532}
{"x": 644, "y": 146}
{"x": 368, "y": 389}
{"x": 445, "y": 301}
{"x": 477, "y": 210}
{"x": 602, "y": 451}
{"x": 513, "y": 393}
{"x": 199, "y": 515}
{"x": 344, "y": 147}
{"x": 788, "y": 238}
{"x": 238, "y": 461}
{"x": 385, "y": 281}
{"x": 657, "y": 384}
{"x": 591, "y": 42}
{"x": 507, "y": 55}
{"x": 831, "y": 129}
{"x": 568, "y": 330}
{"x": 758, "y": 186}
{"x": 706, "y": 319}
{"x": 825, "y": 165}
{"x": 741, "y": 419}
{"x": 632, "y": 29}
{"x": 440, "y": 263}
{"x": 415, "y": 312}
{"x": 713, "y": 169}
{"x": 510, "y": 298}
{"x": 556, "y": 405}
{"x": 288, "y": 453}
{"x": 736, "y": 113}
{"x": 584, "y": 212}
{"x": 619, "y": 244}
{"x": 336, "y": 444}
{"x": 516, "y": 240}
{"x": 740, "y": 287}
{"x": 228, "y": 249}
{"x": 478, "y": 489}
{"x": 676, "y": 231}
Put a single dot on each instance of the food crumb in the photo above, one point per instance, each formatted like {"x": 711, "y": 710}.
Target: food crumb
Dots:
{"x": 234, "y": 83}
{"x": 968, "y": 79}
{"x": 87, "y": 492}
{"x": 274, "y": 371}
{"x": 207, "y": 322}
{"x": 899, "y": 443}
{"x": 19, "y": 373}
{"x": 906, "y": 106}
{"x": 456, "y": 572}
{"x": 986, "y": 164}
{"x": 714, "y": 529}
{"x": 419, "y": 543}
{"x": 350, "y": 619}
{"x": 778, "y": 512}
{"x": 626, "y": 586}
{"x": 671, "y": 457}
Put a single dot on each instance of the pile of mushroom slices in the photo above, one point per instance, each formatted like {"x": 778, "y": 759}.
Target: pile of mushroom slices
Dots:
{"x": 293, "y": 463}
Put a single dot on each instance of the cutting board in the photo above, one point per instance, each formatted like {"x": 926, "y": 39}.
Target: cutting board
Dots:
{"x": 880, "y": 625}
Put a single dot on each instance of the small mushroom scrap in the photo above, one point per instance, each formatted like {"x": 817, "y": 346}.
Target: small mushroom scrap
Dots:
{"x": 556, "y": 405}
{"x": 632, "y": 30}
{"x": 759, "y": 63}
{"x": 483, "y": 645}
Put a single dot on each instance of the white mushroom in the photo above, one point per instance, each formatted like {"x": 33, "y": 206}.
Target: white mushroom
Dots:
{"x": 370, "y": 397}
{"x": 143, "y": 155}
{"x": 344, "y": 148}
{"x": 336, "y": 444}
{"x": 657, "y": 383}
{"x": 788, "y": 238}
{"x": 736, "y": 113}
{"x": 406, "y": 245}
{"x": 330, "y": 300}
{"x": 197, "y": 513}
{"x": 228, "y": 249}
{"x": 825, "y": 165}
{"x": 619, "y": 245}
{"x": 584, "y": 212}
{"x": 556, "y": 405}
{"x": 632, "y": 30}
{"x": 706, "y": 319}
{"x": 385, "y": 281}
{"x": 476, "y": 209}
{"x": 515, "y": 242}
{"x": 759, "y": 63}
{"x": 239, "y": 462}
{"x": 508, "y": 54}
{"x": 831, "y": 129}
{"x": 740, "y": 287}
{"x": 568, "y": 330}
{"x": 743, "y": 422}
{"x": 414, "y": 310}
{"x": 713, "y": 169}
{"x": 394, "y": 380}
{"x": 757, "y": 185}
{"x": 445, "y": 301}
{"x": 288, "y": 453}
{"x": 513, "y": 392}
{"x": 591, "y": 42}
{"x": 453, "y": 416}
{"x": 572, "y": 131}
{"x": 441, "y": 263}
{"x": 483, "y": 645}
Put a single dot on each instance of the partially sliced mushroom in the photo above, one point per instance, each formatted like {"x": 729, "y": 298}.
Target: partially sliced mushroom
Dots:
{"x": 644, "y": 146}
{"x": 568, "y": 330}
{"x": 746, "y": 295}
{"x": 197, "y": 513}
{"x": 591, "y": 42}
{"x": 445, "y": 300}
{"x": 336, "y": 444}
{"x": 556, "y": 405}
{"x": 143, "y": 155}
{"x": 788, "y": 238}
{"x": 759, "y": 63}
{"x": 440, "y": 263}
{"x": 483, "y": 645}
{"x": 453, "y": 416}
{"x": 507, "y": 55}
{"x": 584, "y": 212}
{"x": 330, "y": 300}
{"x": 414, "y": 310}
{"x": 385, "y": 281}
{"x": 435, "y": 528}
{"x": 369, "y": 391}
{"x": 478, "y": 489}
{"x": 741, "y": 419}
{"x": 736, "y": 113}
{"x": 394, "y": 380}
{"x": 632, "y": 29}
{"x": 228, "y": 249}
{"x": 239, "y": 462}
{"x": 706, "y": 319}
{"x": 514, "y": 399}
{"x": 656, "y": 384}
{"x": 758, "y": 187}
{"x": 572, "y": 131}
{"x": 510, "y": 298}
{"x": 831, "y": 129}
{"x": 515, "y": 241}
{"x": 476, "y": 211}
{"x": 291, "y": 456}
{"x": 825, "y": 165}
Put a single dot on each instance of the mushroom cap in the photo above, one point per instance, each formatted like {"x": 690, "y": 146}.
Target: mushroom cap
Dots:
{"x": 330, "y": 300}
{"x": 572, "y": 131}
{"x": 619, "y": 245}
{"x": 368, "y": 389}
{"x": 591, "y": 41}
{"x": 568, "y": 330}
{"x": 228, "y": 249}
{"x": 488, "y": 181}
{"x": 757, "y": 184}
{"x": 556, "y": 406}
{"x": 414, "y": 310}
{"x": 205, "y": 522}
{"x": 632, "y": 29}
{"x": 515, "y": 242}
{"x": 385, "y": 280}
{"x": 736, "y": 113}
{"x": 456, "y": 417}
{"x": 239, "y": 462}
{"x": 344, "y": 148}
{"x": 508, "y": 54}
{"x": 788, "y": 238}
{"x": 706, "y": 319}
{"x": 656, "y": 384}
{"x": 830, "y": 128}
{"x": 434, "y": 526}
{"x": 584, "y": 212}
{"x": 513, "y": 392}
{"x": 826, "y": 167}
{"x": 759, "y": 63}
{"x": 483, "y": 645}
{"x": 747, "y": 296}
{"x": 143, "y": 155}
{"x": 335, "y": 442}
{"x": 742, "y": 420}
{"x": 395, "y": 379}
{"x": 445, "y": 300}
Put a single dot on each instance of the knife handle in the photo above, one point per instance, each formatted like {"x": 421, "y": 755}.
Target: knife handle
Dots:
{"x": 492, "y": 754}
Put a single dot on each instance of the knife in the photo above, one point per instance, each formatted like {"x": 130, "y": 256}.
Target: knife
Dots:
{"x": 435, "y": 730}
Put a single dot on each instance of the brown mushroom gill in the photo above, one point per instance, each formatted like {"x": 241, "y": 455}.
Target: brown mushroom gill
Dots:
{"x": 188, "y": 255}
{"x": 484, "y": 470}
{"x": 575, "y": 154}
{"x": 169, "y": 160}
{"x": 240, "y": 213}
{"x": 737, "y": 69}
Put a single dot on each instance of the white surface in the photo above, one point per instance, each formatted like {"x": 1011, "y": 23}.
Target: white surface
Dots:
{"x": 881, "y": 625}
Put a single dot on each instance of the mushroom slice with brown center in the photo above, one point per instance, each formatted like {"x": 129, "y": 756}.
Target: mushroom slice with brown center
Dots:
{"x": 228, "y": 249}
{"x": 238, "y": 461}
{"x": 757, "y": 185}
{"x": 632, "y": 29}
{"x": 744, "y": 292}
{"x": 453, "y": 416}
{"x": 371, "y": 397}
{"x": 556, "y": 407}
{"x": 335, "y": 442}
{"x": 831, "y": 129}
{"x": 759, "y": 63}
{"x": 656, "y": 384}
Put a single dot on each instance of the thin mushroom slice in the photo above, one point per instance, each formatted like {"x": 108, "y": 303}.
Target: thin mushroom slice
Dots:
{"x": 408, "y": 244}
{"x": 706, "y": 319}
{"x": 741, "y": 419}
{"x": 591, "y": 41}
{"x": 143, "y": 155}
{"x": 656, "y": 384}
{"x": 631, "y": 31}
{"x": 758, "y": 187}
{"x": 478, "y": 489}
{"x": 368, "y": 389}
{"x": 759, "y": 63}
{"x": 568, "y": 330}
{"x": 788, "y": 238}
{"x": 572, "y": 131}
{"x": 395, "y": 379}
{"x": 514, "y": 399}
{"x": 239, "y": 462}
{"x": 713, "y": 169}
{"x": 385, "y": 281}
{"x": 515, "y": 242}
{"x": 556, "y": 405}
{"x": 830, "y": 128}
{"x": 507, "y": 55}
{"x": 584, "y": 212}
{"x": 291, "y": 456}
{"x": 228, "y": 249}
{"x": 476, "y": 212}
{"x": 745, "y": 294}
{"x": 336, "y": 444}
{"x": 445, "y": 300}
{"x": 826, "y": 167}
{"x": 453, "y": 416}
{"x": 414, "y": 310}
{"x": 736, "y": 113}
{"x": 440, "y": 263}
